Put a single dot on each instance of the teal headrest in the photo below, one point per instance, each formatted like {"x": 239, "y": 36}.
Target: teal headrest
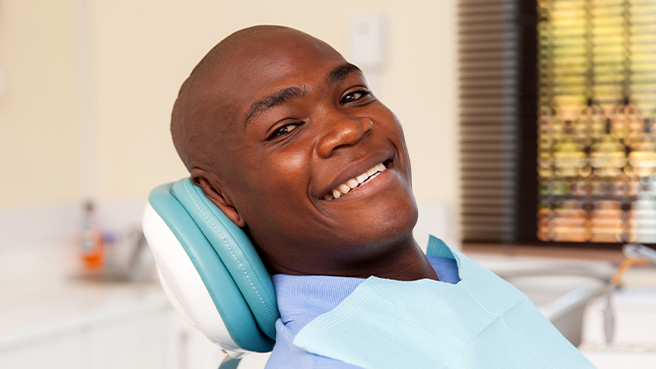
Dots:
{"x": 226, "y": 261}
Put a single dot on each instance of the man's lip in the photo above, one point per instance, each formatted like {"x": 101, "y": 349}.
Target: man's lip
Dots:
{"x": 354, "y": 169}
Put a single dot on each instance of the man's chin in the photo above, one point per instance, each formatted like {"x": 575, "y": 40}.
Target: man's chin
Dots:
{"x": 382, "y": 223}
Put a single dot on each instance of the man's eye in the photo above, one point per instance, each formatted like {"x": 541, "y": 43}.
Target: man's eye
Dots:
{"x": 354, "y": 96}
{"x": 283, "y": 130}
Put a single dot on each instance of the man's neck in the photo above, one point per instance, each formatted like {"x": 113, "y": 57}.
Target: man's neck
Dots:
{"x": 406, "y": 262}
{"x": 403, "y": 261}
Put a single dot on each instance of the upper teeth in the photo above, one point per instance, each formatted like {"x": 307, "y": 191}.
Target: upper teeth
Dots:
{"x": 352, "y": 183}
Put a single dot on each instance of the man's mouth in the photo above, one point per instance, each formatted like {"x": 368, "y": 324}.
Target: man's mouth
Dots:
{"x": 354, "y": 182}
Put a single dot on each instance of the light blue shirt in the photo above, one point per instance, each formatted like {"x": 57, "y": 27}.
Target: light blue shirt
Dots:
{"x": 303, "y": 298}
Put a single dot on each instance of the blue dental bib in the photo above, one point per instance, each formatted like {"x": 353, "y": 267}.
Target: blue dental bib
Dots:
{"x": 480, "y": 322}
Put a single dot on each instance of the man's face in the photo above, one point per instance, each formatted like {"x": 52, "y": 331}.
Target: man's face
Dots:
{"x": 301, "y": 124}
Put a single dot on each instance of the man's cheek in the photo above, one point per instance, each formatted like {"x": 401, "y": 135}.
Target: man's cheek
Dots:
{"x": 288, "y": 172}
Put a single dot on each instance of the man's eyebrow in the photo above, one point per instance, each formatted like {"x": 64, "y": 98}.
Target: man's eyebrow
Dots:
{"x": 277, "y": 98}
{"x": 341, "y": 72}
{"x": 270, "y": 101}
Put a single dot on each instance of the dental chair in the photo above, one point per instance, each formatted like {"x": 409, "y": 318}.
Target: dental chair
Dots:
{"x": 210, "y": 272}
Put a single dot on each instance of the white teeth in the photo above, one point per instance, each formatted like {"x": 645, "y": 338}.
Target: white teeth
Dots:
{"x": 344, "y": 188}
{"x": 352, "y": 183}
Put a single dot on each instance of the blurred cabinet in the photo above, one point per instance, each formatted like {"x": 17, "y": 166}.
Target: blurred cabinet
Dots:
{"x": 59, "y": 352}
{"x": 190, "y": 349}
{"x": 130, "y": 336}
{"x": 187, "y": 348}
{"x": 138, "y": 341}
{"x": 136, "y": 337}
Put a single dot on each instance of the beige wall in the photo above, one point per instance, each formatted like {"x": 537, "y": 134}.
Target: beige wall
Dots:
{"x": 39, "y": 126}
{"x": 141, "y": 51}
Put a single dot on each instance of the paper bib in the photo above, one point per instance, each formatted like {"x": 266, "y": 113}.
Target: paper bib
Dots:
{"x": 480, "y": 322}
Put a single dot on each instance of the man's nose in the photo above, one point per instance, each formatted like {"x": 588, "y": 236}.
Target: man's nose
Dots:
{"x": 341, "y": 131}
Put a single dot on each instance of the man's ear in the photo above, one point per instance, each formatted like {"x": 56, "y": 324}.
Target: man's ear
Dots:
{"x": 212, "y": 191}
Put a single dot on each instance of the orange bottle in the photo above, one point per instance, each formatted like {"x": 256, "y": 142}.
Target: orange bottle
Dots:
{"x": 91, "y": 242}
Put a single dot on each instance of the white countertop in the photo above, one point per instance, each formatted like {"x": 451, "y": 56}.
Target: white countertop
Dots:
{"x": 52, "y": 308}
{"x": 40, "y": 295}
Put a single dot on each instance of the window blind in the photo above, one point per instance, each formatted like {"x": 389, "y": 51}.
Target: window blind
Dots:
{"x": 488, "y": 79}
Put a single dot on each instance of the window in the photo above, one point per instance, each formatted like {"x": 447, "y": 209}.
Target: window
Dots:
{"x": 558, "y": 100}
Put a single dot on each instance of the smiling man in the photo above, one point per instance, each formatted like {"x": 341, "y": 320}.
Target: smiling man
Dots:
{"x": 285, "y": 137}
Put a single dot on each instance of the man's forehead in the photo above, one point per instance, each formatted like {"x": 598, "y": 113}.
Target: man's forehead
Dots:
{"x": 265, "y": 65}
{"x": 268, "y": 57}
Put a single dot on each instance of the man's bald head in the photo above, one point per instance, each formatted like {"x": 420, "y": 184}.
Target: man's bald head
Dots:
{"x": 204, "y": 106}
{"x": 189, "y": 122}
